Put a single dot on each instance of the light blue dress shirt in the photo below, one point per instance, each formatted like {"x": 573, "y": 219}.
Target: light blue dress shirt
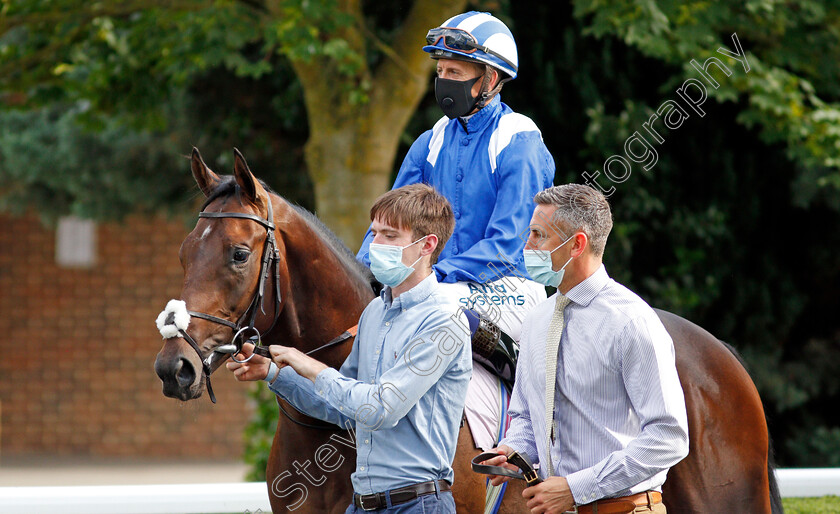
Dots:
{"x": 402, "y": 388}
{"x": 619, "y": 410}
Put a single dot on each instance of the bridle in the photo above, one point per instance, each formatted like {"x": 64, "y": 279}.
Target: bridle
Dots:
{"x": 270, "y": 257}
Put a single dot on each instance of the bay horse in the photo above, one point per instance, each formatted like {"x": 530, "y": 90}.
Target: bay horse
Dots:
{"x": 308, "y": 288}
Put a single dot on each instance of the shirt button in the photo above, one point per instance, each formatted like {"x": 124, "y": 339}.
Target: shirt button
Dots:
{"x": 465, "y": 141}
{"x": 367, "y": 441}
{"x": 321, "y": 392}
{"x": 377, "y": 351}
{"x": 387, "y": 323}
{"x": 457, "y": 215}
{"x": 362, "y": 468}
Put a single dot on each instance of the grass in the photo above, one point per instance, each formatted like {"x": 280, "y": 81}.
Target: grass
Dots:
{"x": 821, "y": 505}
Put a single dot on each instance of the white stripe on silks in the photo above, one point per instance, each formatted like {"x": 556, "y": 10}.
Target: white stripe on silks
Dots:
{"x": 509, "y": 125}
{"x": 552, "y": 344}
{"x": 469, "y": 24}
{"x": 436, "y": 141}
{"x": 503, "y": 44}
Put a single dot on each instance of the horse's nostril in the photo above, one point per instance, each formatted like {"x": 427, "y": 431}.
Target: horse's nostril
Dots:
{"x": 184, "y": 373}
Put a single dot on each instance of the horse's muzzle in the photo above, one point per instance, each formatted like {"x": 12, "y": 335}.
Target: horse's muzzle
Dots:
{"x": 178, "y": 376}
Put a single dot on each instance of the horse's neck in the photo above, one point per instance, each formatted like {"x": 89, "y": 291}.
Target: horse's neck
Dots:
{"x": 324, "y": 298}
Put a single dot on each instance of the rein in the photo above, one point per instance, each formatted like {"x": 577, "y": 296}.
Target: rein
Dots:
{"x": 270, "y": 256}
{"x": 351, "y": 332}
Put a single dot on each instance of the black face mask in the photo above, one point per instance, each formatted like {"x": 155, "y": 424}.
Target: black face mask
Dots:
{"x": 455, "y": 96}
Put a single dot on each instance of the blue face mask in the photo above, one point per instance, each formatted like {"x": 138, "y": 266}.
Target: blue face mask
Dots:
{"x": 538, "y": 264}
{"x": 386, "y": 263}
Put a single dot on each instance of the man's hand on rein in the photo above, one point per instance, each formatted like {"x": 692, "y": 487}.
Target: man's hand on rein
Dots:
{"x": 255, "y": 369}
{"x": 303, "y": 364}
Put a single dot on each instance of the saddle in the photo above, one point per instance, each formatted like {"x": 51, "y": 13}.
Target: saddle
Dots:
{"x": 492, "y": 347}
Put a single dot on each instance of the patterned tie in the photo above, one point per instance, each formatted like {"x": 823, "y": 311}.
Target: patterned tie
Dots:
{"x": 552, "y": 345}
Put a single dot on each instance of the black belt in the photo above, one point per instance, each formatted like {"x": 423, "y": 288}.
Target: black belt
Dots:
{"x": 401, "y": 495}
{"x": 529, "y": 474}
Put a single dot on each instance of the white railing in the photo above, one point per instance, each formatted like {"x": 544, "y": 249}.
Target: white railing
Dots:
{"x": 252, "y": 497}
{"x": 137, "y": 499}
{"x": 802, "y": 482}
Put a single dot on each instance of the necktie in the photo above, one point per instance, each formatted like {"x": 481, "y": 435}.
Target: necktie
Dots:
{"x": 552, "y": 344}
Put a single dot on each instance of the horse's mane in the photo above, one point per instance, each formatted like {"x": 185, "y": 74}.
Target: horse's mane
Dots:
{"x": 229, "y": 187}
{"x": 345, "y": 255}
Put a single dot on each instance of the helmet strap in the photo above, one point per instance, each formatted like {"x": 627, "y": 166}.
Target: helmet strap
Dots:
{"x": 485, "y": 94}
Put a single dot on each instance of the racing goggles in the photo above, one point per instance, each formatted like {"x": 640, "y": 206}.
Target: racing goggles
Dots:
{"x": 461, "y": 41}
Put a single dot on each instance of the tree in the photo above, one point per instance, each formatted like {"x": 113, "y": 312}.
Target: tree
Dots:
{"x": 732, "y": 228}
{"x": 130, "y": 58}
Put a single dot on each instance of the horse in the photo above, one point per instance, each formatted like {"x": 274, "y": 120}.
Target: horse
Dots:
{"x": 308, "y": 291}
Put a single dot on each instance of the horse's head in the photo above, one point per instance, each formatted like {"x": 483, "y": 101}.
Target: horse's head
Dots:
{"x": 232, "y": 279}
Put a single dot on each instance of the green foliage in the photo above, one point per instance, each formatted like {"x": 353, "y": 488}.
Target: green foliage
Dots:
{"x": 818, "y": 447}
{"x": 48, "y": 160}
{"x": 128, "y": 58}
{"x": 791, "y": 90}
{"x": 259, "y": 433}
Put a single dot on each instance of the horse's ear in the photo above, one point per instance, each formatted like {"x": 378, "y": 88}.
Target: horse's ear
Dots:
{"x": 205, "y": 178}
{"x": 251, "y": 187}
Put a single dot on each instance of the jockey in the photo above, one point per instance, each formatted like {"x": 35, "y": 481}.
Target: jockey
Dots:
{"x": 489, "y": 162}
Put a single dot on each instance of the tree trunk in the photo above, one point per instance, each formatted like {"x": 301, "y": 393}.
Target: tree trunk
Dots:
{"x": 349, "y": 170}
{"x": 351, "y": 148}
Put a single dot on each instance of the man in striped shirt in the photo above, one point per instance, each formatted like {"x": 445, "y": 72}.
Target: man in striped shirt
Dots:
{"x": 617, "y": 421}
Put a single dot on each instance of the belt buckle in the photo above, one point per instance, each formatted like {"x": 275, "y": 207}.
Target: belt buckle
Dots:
{"x": 574, "y": 511}
{"x": 362, "y": 502}
{"x": 530, "y": 476}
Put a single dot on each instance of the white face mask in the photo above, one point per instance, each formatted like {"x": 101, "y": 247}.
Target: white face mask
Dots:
{"x": 538, "y": 264}
{"x": 386, "y": 263}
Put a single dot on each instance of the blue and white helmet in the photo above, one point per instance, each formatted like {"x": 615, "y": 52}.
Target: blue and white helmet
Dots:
{"x": 475, "y": 36}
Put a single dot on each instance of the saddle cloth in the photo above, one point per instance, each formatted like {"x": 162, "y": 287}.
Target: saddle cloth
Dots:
{"x": 505, "y": 302}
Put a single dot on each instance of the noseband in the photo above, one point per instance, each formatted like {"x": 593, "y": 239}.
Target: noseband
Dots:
{"x": 270, "y": 255}
{"x": 171, "y": 327}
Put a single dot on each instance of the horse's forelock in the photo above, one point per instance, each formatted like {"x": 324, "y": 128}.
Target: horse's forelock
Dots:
{"x": 229, "y": 187}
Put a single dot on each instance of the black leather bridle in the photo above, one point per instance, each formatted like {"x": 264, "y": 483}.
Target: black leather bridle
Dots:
{"x": 270, "y": 255}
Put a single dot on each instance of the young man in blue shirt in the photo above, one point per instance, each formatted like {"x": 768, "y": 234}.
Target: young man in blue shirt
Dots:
{"x": 403, "y": 386}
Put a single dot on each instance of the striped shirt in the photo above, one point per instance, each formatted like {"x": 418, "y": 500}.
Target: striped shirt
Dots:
{"x": 619, "y": 409}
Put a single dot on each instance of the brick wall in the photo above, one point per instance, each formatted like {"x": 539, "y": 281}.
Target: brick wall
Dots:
{"x": 77, "y": 349}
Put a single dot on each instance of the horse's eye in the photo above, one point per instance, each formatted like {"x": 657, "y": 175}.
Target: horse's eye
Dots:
{"x": 240, "y": 256}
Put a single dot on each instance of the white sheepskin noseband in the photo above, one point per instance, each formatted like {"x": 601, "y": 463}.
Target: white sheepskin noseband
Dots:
{"x": 179, "y": 320}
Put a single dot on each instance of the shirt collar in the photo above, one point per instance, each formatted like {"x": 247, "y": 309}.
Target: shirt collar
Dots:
{"x": 413, "y": 296}
{"x": 476, "y": 121}
{"x": 587, "y": 290}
